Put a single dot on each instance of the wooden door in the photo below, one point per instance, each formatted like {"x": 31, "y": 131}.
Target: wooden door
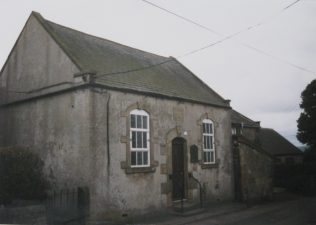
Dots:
{"x": 178, "y": 170}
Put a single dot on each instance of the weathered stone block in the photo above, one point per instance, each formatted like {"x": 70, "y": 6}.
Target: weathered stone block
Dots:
{"x": 163, "y": 169}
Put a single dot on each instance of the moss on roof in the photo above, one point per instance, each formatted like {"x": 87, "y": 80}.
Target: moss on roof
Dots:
{"x": 120, "y": 66}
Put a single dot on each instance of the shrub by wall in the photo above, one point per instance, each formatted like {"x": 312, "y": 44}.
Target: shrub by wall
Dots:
{"x": 300, "y": 178}
{"x": 21, "y": 175}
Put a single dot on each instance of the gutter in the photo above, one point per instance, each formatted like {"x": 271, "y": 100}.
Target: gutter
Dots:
{"x": 244, "y": 125}
{"x": 87, "y": 79}
{"x": 161, "y": 96}
{"x": 34, "y": 98}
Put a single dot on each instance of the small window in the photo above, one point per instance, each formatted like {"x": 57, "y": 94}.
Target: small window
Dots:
{"x": 234, "y": 131}
{"x": 208, "y": 142}
{"x": 139, "y": 138}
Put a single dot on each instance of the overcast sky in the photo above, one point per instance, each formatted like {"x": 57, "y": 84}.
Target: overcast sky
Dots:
{"x": 262, "y": 70}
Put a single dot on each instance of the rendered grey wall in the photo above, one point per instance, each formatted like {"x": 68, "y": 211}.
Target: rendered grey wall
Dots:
{"x": 70, "y": 133}
{"x": 69, "y": 130}
{"x": 58, "y": 129}
{"x": 36, "y": 62}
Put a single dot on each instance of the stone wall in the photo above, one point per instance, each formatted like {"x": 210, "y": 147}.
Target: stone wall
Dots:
{"x": 256, "y": 173}
{"x": 250, "y": 133}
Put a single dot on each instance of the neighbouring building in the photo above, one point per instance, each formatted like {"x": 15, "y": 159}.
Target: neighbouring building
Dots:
{"x": 127, "y": 126}
{"x": 284, "y": 152}
{"x": 253, "y": 166}
{"x": 288, "y": 170}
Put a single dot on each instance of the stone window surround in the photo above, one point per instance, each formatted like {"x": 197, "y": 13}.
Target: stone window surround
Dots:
{"x": 126, "y": 165}
{"x": 206, "y": 116}
{"x": 212, "y": 141}
{"x": 142, "y": 130}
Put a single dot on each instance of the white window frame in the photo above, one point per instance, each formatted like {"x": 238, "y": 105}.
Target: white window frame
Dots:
{"x": 142, "y": 113}
{"x": 211, "y": 149}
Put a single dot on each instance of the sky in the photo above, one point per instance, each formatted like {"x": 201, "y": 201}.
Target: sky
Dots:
{"x": 262, "y": 70}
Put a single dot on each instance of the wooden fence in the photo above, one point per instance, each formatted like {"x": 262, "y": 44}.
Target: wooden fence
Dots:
{"x": 68, "y": 206}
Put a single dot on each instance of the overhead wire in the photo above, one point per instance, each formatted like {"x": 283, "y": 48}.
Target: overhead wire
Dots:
{"x": 290, "y": 5}
{"x": 136, "y": 69}
{"x": 202, "y": 48}
{"x": 234, "y": 35}
{"x": 215, "y": 42}
{"x": 208, "y": 28}
{"x": 181, "y": 17}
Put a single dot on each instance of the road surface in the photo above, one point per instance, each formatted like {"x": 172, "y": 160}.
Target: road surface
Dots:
{"x": 301, "y": 211}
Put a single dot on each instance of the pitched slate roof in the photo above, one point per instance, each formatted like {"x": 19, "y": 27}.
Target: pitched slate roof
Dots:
{"x": 238, "y": 118}
{"x": 275, "y": 144}
{"x": 122, "y": 67}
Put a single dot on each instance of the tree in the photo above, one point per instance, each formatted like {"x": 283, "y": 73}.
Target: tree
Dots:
{"x": 306, "y": 123}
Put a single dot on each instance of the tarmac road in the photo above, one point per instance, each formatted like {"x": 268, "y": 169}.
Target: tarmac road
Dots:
{"x": 301, "y": 211}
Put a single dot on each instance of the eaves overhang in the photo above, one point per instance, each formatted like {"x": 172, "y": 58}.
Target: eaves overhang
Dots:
{"x": 95, "y": 84}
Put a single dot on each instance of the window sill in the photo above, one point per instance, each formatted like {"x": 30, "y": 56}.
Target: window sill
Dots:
{"x": 208, "y": 166}
{"x": 130, "y": 170}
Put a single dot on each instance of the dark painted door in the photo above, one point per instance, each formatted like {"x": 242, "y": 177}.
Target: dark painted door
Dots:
{"x": 178, "y": 168}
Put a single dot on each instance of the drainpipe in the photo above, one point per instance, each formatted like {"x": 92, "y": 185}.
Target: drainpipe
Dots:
{"x": 107, "y": 129}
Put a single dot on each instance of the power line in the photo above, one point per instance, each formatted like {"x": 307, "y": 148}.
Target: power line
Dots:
{"x": 213, "y": 43}
{"x": 136, "y": 69}
{"x": 207, "y": 46}
{"x": 212, "y": 30}
{"x": 290, "y": 5}
{"x": 278, "y": 59}
{"x": 234, "y": 35}
{"x": 181, "y": 17}
{"x": 202, "y": 48}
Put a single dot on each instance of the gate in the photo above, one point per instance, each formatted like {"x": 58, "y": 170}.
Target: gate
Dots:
{"x": 68, "y": 206}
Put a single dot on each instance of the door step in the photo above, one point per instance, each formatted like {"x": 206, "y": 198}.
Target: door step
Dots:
{"x": 187, "y": 209}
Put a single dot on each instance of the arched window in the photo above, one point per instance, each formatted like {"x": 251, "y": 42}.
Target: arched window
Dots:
{"x": 139, "y": 138}
{"x": 208, "y": 142}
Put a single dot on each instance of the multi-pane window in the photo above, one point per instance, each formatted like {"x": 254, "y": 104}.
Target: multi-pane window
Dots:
{"x": 139, "y": 138}
{"x": 208, "y": 142}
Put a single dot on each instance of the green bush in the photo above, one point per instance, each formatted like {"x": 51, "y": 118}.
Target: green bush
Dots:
{"x": 300, "y": 178}
{"x": 21, "y": 176}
